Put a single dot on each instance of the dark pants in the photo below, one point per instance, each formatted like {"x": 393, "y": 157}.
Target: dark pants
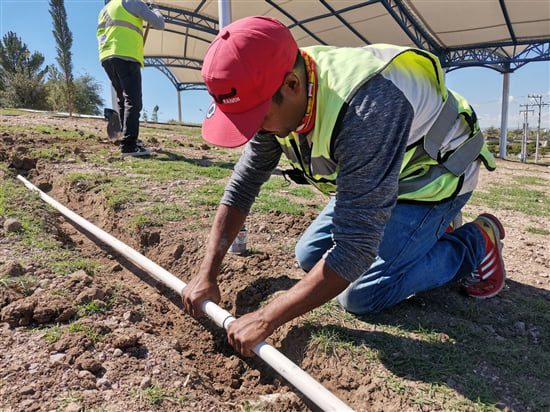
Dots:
{"x": 125, "y": 77}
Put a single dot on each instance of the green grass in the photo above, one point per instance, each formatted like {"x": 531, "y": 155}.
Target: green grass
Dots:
{"x": 305, "y": 192}
{"x": 416, "y": 353}
{"x": 65, "y": 134}
{"x": 207, "y": 195}
{"x": 538, "y": 231}
{"x": 67, "y": 262}
{"x": 156, "y": 395}
{"x": 121, "y": 192}
{"x": 530, "y": 202}
{"x": 269, "y": 203}
{"x": 531, "y": 180}
{"x": 11, "y": 112}
{"x": 70, "y": 397}
{"x": 248, "y": 407}
{"x": 118, "y": 191}
{"x": 53, "y": 333}
{"x": 25, "y": 284}
{"x": 25, "y": 206}
{"x": 49, "y": 153}
{"x": 91, "y": 308}
{"x": 274, "y": 197}
{"x": 167, "y": 168}
{"x": 88, "y": 331}
{"x": 160, "y": 214}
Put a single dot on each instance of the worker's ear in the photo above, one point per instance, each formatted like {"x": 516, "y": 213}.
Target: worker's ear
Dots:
{"x": 291, "y": 85}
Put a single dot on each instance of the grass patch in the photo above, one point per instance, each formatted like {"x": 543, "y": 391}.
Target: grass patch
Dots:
{"x": 25, "y": 284}
{"x": 170, "y": 167}
{"x": 266, "y": 203}
{"x": 91, "y": 308}
{"x": 406, "y": 345}
{"x": 530, "y": 202}
{"x": 305, "y": 192}
{"x": 538, "y": 231}
{"x": 70, "y": 397}
{"x": 207, "y": 195}
{"x": 117, "y": 190}
{"x": 274, "y": 197}
{"x": 53, "y": 334}
{"x": 50, "y": 153}
{"x": 530, "y": 180}
{"x": 122, "y": 192}
{"x": 11, "y": 112}
{"x": 89, "y": 179}
{"x": 54, "y": 131}
{"x": 155, "y": 395}
{"x": 71, "y": 263}
{"x": 35, "y": 236}
{"x": 90, "y": 333}
{"x": 159, "y": 214}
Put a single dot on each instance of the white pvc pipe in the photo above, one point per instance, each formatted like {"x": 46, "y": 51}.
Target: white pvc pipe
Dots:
{"x": 284, "y": 366}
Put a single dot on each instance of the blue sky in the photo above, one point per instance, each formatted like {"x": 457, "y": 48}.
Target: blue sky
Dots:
{"x": 31, "y": 21}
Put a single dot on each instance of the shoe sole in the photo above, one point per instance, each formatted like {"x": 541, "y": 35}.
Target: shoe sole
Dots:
{"x": 499, "y": 235}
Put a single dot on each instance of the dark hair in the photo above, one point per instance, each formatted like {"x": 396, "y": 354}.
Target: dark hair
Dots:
{"x": 278, "y": 96}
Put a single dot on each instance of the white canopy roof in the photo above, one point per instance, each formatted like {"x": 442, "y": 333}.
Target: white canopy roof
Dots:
{"x": 502, "y": 34}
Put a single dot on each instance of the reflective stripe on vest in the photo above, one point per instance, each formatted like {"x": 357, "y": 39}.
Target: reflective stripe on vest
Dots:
{"x": 121, "y": 23}
{"x": 462, "y": 156}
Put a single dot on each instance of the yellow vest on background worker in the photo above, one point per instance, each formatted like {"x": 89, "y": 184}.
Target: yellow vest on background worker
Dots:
{"x": 119, "y": 33}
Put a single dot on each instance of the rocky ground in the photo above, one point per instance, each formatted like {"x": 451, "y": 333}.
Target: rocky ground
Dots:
{"x": 84, "y": 329}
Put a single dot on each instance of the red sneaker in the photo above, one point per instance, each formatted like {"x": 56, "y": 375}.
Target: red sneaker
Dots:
{"x": 488, "y": 279}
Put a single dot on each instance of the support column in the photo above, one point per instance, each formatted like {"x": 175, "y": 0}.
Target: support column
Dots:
{"x": 179, "y": 106}
{"x": 504, "y": 113}
{"x": 224, "y": 12}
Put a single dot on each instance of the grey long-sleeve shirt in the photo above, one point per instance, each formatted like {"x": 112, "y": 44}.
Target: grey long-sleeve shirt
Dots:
{"x": 369, "y": 149}
{"x": 140, "y": 9}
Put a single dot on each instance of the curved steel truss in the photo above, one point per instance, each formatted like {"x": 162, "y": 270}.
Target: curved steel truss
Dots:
{"x": 504, "y": 56}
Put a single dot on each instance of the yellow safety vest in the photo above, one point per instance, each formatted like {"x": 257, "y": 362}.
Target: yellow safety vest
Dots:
{"x": 119, "y": 33}
{"x": 426, "y": 174}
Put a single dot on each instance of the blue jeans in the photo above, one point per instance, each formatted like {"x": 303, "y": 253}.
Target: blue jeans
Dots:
{"x": 415, "y": 254}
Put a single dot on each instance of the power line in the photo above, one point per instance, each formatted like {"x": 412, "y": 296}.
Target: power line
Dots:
{"x": 523, "y": 153}
{"x": 538, "y": 102}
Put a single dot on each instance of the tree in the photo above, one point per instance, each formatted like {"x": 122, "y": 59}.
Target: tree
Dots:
{"x": 87, "y": 90}
{"x": 87, "y": 97}
{"x": 155, "y": 114}
{"x": 22, "y": 75}
{"x": 64, "y": 40}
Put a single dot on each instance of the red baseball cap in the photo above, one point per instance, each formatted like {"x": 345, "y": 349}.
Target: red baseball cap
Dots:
{"x": 243, "y": 68}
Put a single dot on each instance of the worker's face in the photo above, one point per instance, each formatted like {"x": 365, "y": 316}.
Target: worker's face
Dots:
{"x": 283, "y": 118}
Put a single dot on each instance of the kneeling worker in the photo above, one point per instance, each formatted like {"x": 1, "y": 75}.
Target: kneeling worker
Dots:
{"x": 377, "y": 130}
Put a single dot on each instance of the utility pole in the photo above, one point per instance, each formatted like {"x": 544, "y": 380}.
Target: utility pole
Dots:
{"x": 538, "y": 102}
{"x": 523, "y": 154}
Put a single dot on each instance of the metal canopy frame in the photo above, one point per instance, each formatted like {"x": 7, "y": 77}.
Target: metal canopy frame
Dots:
{"x": 491, "y": 55}
{"x": 503, "y": 56}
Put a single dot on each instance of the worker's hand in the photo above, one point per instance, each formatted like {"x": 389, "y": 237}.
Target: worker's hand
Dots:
{"x": 247, "y": 331}
{"x": 200, "y": 288}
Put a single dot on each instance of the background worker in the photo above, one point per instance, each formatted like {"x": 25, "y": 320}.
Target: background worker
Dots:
{"x": 375, "y": 128}
{"x": 121, "y": 39}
